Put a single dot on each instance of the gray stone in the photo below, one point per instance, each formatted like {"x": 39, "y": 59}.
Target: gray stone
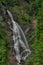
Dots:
{"x": 1, "y": 18}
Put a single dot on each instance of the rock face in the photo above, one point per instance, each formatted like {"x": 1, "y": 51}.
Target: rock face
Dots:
{"x": 34, "y": 23}
{"x": 12, "y": 60}
{"x": 1, "y": 18}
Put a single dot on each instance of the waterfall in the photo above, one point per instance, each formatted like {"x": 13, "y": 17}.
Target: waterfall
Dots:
{"x": 19, "y": 39}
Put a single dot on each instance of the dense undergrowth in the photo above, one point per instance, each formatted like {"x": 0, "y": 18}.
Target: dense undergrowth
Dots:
{"x": 25, "y": 12}
{"x": 3, "y": 45}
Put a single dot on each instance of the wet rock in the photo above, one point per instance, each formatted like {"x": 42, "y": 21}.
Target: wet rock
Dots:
{"x": 1, "y": 18}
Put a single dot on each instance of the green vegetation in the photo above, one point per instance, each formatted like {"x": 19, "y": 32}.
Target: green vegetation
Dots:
{"x": 3, "y": 45}
{"x": 25, "y": 11}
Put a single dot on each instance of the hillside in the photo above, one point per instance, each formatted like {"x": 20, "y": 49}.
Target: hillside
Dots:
{"x": 29, "y": 15}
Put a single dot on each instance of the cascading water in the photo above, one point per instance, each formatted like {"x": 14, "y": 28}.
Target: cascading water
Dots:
{"x": 19, "y": 41}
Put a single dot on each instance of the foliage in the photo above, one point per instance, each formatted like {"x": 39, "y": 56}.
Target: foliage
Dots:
{"x": 3, "y": 45}
{"x": 25, "y": 11}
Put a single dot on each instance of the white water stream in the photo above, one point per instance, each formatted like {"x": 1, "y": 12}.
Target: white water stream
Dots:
{"x": 19, "y": 40}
